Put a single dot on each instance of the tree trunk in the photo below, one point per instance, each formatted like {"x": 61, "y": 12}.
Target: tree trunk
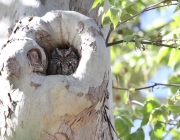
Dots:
{"x": 55, "y": 72}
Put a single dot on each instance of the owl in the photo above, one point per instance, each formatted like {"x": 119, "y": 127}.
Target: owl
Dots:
{"x": 63, "y": 62}
{"x": 35, "y": 60}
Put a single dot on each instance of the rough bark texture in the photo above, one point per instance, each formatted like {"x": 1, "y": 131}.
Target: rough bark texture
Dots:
{"x": 36, "y": 106}
{"x": 91, "y": 123}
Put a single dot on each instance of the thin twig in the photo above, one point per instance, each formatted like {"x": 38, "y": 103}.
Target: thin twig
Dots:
{"x": 147, "y": 87}
{"x": 109, "y": 33}
{"x": 142, "y": 42}
{"x": 151, "y": 7}
{"x": 160, "y": 6}
{"x": 144, "y": 10}
{"x": 136, "y": 102}
{"x": 110, "y": 124}
{"x": 167, "y": 85}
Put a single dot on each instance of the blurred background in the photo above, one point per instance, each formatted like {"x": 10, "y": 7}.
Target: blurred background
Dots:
{"x": 140, "y": 65}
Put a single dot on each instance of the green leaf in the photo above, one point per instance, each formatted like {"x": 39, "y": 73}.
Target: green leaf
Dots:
{"x": 158, "y": 36}
{"x": 147, "y": 109}
{"x": 176, "y": 18}
{"x": 170, "y": 101}
{"x": 106, "y": 18}
{"x": 145, "y": 119}
{"x": 178, "y": 124}
{"x": 157, "y": 132}
{"x": 131, "y": 90}
{"x": 177, "y": 7}
{"x": 155, "y": 115}
{"x": 111, "y": 2}
{"x": 145, "y": 38}
{"x": 131, "y": 4}
{"x": 164, "y": 112}
{"x": 114, "y": 15}
{"x": 150, "y": 35}
{"x": 127, "y": 38}
{"x": 138, "y": 135}
{"x": 137, "y": 42}
{"x": 174, "y": 98}
{"x": 175, "y": 134}
{"x": 149, "y": 106}
{"x": 96, "y": 2}
{"x": 118, "y": 3}
{"x": 174, "y": 57}
{"x": 159, "y": 114}
{"x": 131, "y": 10}
{"x": 127, "y": 120}
{"x": 123, "y": 127}
{"x": 174, "y": 78}
{"x": 173, "y": 108}
{"x": 124, "y": 16}
{"x": 162, "y": 53}
{"x": 177, "y": 95}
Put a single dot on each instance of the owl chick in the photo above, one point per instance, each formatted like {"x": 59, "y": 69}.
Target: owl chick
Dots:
{"x": 35, "y": 61}
{"x": 63, "y": 61}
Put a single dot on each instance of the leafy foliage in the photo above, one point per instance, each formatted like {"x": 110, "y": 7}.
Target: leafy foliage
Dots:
{"x": 137, "y": 54}
{"x": 123, "y": 126}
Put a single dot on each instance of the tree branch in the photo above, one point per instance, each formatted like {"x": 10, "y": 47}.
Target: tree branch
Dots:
{"x": 147, "y": 87}
{"x": 143, "y": 42}
{"x": 109, "y": 33}
{"x": 160, "y": 6}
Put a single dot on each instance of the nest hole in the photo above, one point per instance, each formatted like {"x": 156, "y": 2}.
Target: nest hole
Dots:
{"x": 63, "y": 60}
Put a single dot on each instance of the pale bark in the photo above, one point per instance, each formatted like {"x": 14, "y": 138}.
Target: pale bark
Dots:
{"x": 34, "y": 106}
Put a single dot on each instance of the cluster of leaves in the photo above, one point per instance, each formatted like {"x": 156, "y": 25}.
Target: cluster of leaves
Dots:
{"x": 153, "y": 114}
{"x": 136, "y": 55}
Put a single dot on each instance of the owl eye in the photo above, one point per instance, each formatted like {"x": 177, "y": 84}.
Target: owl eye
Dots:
{"x": 59, "y": 52}
{"x": 67, "y": 52}
{"x": 35, "y": 56}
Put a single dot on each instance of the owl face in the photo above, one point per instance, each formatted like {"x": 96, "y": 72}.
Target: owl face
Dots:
{"x": 63, "y": 52}
{"x": 33, "y": 56}
{"x": 63, "y": 61}
{"x": 36, "y": 61}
